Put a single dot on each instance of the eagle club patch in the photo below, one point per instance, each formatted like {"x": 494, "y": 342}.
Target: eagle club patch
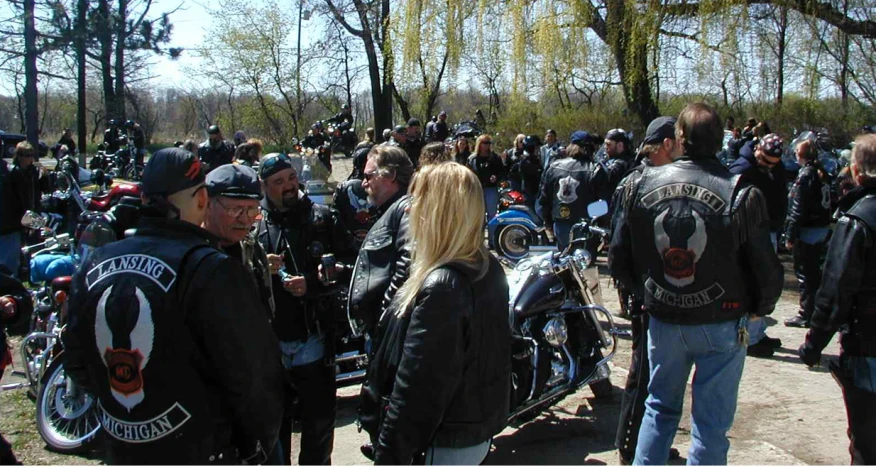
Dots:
{"x": 567, "y": 192}
{"x": 147, "y": 266}
{"x": 125, "y": 365}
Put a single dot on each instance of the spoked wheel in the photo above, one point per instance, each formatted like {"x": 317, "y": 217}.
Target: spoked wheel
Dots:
{"x": 133, "y": 172}
{"x": 513, "y": 242}
{"x": 67, "y": 424}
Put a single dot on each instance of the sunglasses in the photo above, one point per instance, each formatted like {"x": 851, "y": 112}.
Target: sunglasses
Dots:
{"x": 252, "y": 212}
{"x": 271, "y": 161}
{"x": 367, "y": 176}
{"x": 487, "y": 142}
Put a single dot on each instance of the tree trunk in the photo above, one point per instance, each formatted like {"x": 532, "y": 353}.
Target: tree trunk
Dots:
{"x": 783, "y": 45}
{"x": 105, "y": 38}
{"x": 81, "y": 128}
{"x": 634, "y": 73}
{"x": 30, "y": 73}
{"x": 121, "y": 33}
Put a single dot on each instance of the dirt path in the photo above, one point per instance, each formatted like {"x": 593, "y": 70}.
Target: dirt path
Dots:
{"x": 787, "y": 414}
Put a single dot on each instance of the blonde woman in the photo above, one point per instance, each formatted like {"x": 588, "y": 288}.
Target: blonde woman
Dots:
{"x": 439, "y": 380}
{"x": 489, "y": 169}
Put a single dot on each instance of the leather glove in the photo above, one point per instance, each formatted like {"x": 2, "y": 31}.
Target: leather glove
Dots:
{"x": 808, "y": 353}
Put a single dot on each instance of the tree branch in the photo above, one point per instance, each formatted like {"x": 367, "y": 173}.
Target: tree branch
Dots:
{"x": 340, "y": 18}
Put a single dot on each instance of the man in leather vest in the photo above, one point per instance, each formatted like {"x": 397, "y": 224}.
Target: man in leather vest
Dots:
{"x": 381, "y": 267}
{"x": 235, "y": 192}
{"x": 807, "y": 229}
{"x": 694, "y": 243}
{"x": 568, "y": 186}
{"x": 163, "y": 331}
{"x": 215, "y": 151}
{"x": 295, "y": 232}
{"x": 846, "y": 302}
{"x": 658, "y": 148}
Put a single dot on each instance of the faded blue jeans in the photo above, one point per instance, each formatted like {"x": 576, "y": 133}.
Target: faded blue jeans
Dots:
{"x": 719, "y": 358}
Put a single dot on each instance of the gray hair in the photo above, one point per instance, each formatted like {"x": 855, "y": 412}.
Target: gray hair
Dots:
{"x": 393, "y": 160}
{"x": 864, "y": 155}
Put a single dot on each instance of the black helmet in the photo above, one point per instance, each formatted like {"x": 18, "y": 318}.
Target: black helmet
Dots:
{"x": 113, "y": 122}
{"x": 129, "y": 123}
{"x": 213, "y": 130}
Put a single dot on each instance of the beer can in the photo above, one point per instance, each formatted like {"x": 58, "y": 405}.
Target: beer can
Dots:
{"x": 328, "y": 267}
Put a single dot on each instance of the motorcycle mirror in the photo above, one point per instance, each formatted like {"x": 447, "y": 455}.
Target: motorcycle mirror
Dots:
{"x": 97, "y": 234}
{"x": 33, "y": 220}
{"x": 597, "y": 209}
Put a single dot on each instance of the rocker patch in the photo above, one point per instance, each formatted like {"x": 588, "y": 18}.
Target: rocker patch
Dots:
{"x": 692, "y": 300}
{"x": 684, "y": 190}
{"x": 147, "y": 266}
{"x": 147, "y": 431}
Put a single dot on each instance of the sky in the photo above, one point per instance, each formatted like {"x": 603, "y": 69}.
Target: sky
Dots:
{"x": 190, "y": 22}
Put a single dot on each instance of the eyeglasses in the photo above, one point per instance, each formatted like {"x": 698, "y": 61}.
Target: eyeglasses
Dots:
{"x": 252, "y": 212}
{"x": 367, "y": 176}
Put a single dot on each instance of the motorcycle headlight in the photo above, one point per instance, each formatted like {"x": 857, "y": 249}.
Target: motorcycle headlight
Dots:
{"x": 582, "y": 258}
{"x": 555, "y": 332}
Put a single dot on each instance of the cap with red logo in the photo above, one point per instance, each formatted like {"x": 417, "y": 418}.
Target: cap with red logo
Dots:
{"x": 171, "y": 170}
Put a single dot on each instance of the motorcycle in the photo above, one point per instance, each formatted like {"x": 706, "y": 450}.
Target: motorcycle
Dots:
{"x": 559, "y": 343}
{"x": 516, "y": 227}
{"x": 343, "y": 139}
{"x": 67, "y": 417}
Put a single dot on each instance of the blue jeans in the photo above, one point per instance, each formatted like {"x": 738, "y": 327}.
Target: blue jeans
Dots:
{"x": 719, "y": 358}
{"x": 756, "y": 330}
{"x": 562, "y": 229}
{"x": 491, "y": 201}
{"x": 10, "y": 252}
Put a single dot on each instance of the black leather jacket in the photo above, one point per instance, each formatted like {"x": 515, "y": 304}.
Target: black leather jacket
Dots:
{"x": 215, "y": 157}
{"x": 441, "y": 374}
{"x": 772, "y": 184}
{"x": 11, "y": 286}
{"x": 164, "y": 331}
{"x": 354, "y": 212}
{"x": 808, "y": 202}
{"x": 111, "y": 140}
{"x": 304, "y": 233}
{"x": 378, "y": 262}
{"x": 314, "y": 141}
{"x": 846, "y": 300}
{"x": 616, "y": 169}
{"x": 693, "y": 242}
{"x": 567, "y": 187}
{"x": 344, "y": 120}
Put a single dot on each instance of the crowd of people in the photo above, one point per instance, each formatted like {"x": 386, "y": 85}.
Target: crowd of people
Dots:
{"x": 208, "y": 329}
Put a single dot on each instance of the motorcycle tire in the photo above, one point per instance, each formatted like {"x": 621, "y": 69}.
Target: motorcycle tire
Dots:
{"x": 66, "y": 426}
{"x": 602, "y": 389}
{"x": 513, "y": 242}
{"x": 133, "y": 173}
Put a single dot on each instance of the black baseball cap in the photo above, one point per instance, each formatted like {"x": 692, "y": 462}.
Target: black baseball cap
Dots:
{"x": 171, "y": 170}
{"x": 414, "y": 122}
{"x": 399, "y": 129}
{"x": 581, "y": 138}
{"x": 213, "y": 130}
{"x": 659, "y": 129}
{"x": 234, "y": 181}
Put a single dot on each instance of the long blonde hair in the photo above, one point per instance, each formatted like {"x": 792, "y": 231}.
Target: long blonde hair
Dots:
{"x": 446, "y": 225}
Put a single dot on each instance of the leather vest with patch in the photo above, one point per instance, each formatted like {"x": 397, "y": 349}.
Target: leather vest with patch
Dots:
{"x": 144, "y": 360}
{"x": 684, "y": 243}
{"x": 864, "y": 210}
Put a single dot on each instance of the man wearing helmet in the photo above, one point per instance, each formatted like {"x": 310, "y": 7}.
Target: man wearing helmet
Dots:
{"x": 343, "y": 119}
{"x": 315, "y": 138}
{"x": 215, "y": 151}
